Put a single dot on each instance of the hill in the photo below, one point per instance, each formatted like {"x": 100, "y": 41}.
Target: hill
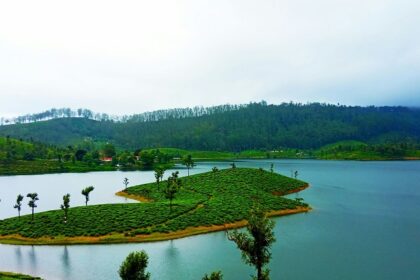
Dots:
{"x": 257, "y": 126}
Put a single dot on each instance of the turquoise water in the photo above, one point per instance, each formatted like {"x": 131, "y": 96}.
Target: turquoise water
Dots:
{"x": 365, "y": 225}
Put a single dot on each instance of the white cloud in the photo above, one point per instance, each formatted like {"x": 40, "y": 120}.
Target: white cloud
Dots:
{"x": 133, "y": 56}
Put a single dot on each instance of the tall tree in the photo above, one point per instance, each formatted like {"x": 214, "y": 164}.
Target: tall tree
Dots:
{"x": 134, "y": 267}
{"x": 159, "y": 171}
{"x": 32, "y": 203}
{"x": 188, "y": 162}
{"x": 172, "y": 187}
{"x": 126, "y": 182}
{"x": 86, "y": 191}
{"x": 18, "y": 204}
{"x": 65, "y": 206}
{"x": 255, "y": 244}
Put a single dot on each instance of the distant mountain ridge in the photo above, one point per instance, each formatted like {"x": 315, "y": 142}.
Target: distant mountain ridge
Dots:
{"x": 235, "y": 128}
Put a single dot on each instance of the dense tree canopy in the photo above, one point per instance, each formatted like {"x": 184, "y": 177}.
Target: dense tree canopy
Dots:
{"x": 234, "y": 128}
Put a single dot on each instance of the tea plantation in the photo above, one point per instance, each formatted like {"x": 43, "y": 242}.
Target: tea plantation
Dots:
{"x": 212, "y": 198}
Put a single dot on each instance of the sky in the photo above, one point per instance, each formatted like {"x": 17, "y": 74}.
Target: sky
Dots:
{"x": 124, "y": 57}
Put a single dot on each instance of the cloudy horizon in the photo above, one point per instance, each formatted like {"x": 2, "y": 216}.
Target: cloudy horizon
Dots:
{"x": 130, "y": 57}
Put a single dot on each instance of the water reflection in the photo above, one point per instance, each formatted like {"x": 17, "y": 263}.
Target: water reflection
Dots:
{"x": 65, "y": 260}
{"x": 18, "y": 254}
{"x": 172, "y": 251}
{"x": 32, "y": 257}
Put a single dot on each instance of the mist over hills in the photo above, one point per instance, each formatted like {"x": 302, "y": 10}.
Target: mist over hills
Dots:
{"x": 229, "y": 127}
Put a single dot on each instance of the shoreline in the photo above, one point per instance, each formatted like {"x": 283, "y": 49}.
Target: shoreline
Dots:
{"x": 154, "y": 237}
{"x": 119, "y": 238}
{"x": 140, "y": 198}
{"x": 7, "y": 174}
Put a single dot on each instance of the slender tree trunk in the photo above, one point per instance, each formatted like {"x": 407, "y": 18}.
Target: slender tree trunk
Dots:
{"x": 259, "y": 273}
{"x": 19, "y": 213}
{"x": 32, "y": 213}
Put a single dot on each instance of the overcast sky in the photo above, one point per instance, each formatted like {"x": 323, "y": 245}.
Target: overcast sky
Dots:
{"x": 124, "y": 57}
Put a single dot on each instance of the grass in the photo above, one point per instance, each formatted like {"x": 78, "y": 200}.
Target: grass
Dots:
{"x": 246, "y": 154}
{"x": 39, "y": 166}
{"x": 14, "y": 276}
{"x": 205, "y": 201}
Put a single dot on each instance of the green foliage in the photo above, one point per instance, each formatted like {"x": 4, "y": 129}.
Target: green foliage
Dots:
{"x": 32, "y": 202}
{"x": 255, "y": 244}
{"x": 20, "y": 157}
{"x": 356, "y": 150}
{"x": 188, "y": 162}
{"x": 16, "y": 276}
{"x": 18, "y": 204}
{"x": 109, "y": 150}
{"x": 159, "y": 172}
{"x": 214, "y": 276}
{"x": 203, "y": 200}
{"x": 86, "y": 192}
{"x": 134, "y": 267}
{"x": 173, "y": 184}
{"x": 256, "y": 126}
{"x": 65, "y": 206}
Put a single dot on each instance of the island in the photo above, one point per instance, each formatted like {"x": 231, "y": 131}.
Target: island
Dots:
{"x": 206, "y": 202}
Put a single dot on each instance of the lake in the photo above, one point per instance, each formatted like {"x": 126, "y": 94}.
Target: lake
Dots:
{"x": 365, "y": 224}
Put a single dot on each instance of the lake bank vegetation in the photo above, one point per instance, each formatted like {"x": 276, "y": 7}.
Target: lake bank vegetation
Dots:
{"x": 18, "y": 157}
{"x": 16, "y": 276}
{"x": 177, "y": 207}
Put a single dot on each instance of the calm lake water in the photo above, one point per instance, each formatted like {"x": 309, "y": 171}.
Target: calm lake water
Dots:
{"x": 365, "y": 225}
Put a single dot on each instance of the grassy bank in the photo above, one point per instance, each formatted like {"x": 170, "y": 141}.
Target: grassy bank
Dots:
{"x": 23, "y": 167}
{"x": 344, "y": 150}
{"x": 16, "y": 276}
{"x": 206, "y": 202}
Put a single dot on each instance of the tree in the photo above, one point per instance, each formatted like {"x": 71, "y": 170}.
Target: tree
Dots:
{"x": 214, "y": 276}
{"x": 18, "y": 204}
{"x": 109, "y": 150}
{"x": 86, "y": 191}
{"x": 296, "y": 174}
{"x": 255, "y": 245}
{"x": 134, "y": 267}
{"x": 272, "y": 167}
{"x": 233, "y": 165}
{"x": 159, "y": 172}
{"x": 80, "y": 154}
{"x": 214, "y": 169}
{"x": 172, "y": 187}
{"x": 32, "y": 202}
{"x": 188, "y": 162}
{"x": 65, "y": 206}
{"x": 126, "y": 182}
{"x": 147, "y": 159}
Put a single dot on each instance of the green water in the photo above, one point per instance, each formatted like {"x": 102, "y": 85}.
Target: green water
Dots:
{"x": 365, "y": 225}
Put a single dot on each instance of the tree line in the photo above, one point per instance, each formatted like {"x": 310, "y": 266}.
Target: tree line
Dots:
{"x": 256, "y": 126}
{"x": 176, "y": 113}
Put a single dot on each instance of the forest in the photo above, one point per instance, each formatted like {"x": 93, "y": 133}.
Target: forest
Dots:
{"x": 255, "y": 126}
